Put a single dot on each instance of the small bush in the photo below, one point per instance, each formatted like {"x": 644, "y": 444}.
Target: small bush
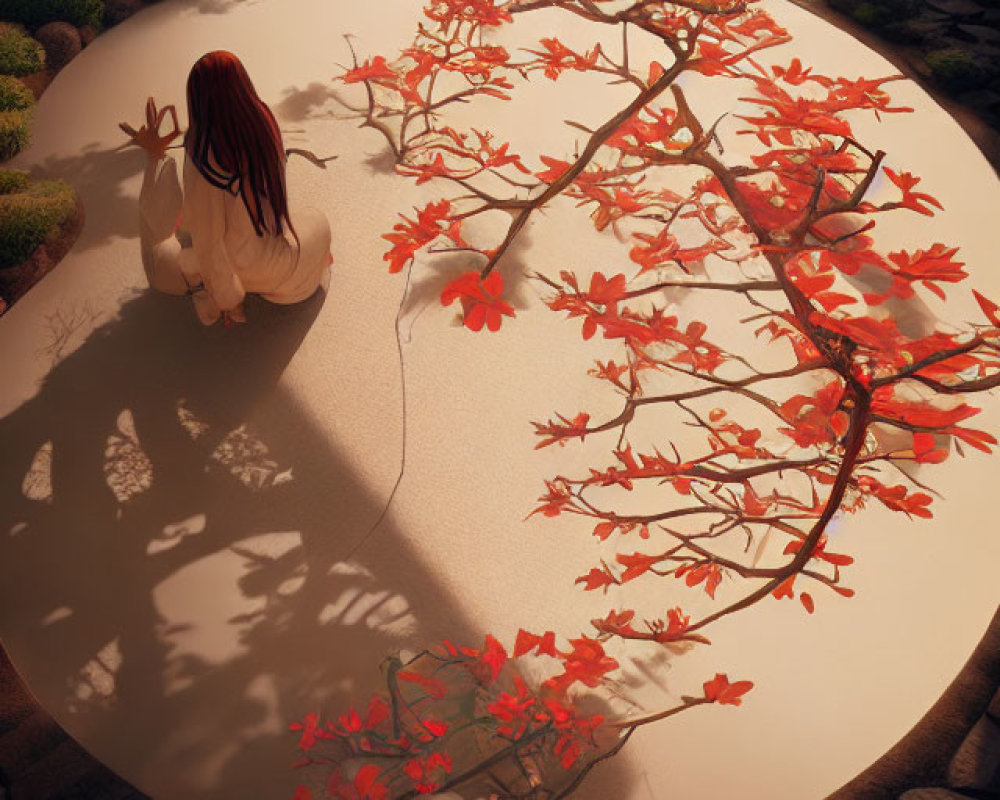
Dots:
{"x": 13, "y": 181}
{"x": 870, "y": 15}
{"x": 35, "y": 13}
{"x": 14, "y": 95}
{"x": 957, "y": 70}
{"x": 19, "y": 53}
{"x": 878, "y": 13}
{"x": 62, "y": 43}
{"x": 30, "y": 217}
{"x": 15, "y": 132}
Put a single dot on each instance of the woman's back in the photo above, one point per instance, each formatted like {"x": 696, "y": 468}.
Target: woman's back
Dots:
{"x": 231, "y": 258}
{"x": 234, "y": 202}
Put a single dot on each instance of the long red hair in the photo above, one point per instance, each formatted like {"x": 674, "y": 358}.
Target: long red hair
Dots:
{"x": 234, "y": 141}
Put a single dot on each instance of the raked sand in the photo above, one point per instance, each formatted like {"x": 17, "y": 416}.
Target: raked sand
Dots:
{"x": 177, "y": 634}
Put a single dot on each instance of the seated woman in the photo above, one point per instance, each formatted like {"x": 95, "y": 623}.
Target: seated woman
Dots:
{"x": 234, "y": 202}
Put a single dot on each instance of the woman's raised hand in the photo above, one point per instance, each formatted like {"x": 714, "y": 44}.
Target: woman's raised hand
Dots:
{"x": 148, "y": 137}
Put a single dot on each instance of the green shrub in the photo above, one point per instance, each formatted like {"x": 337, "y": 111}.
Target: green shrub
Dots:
{"x": 878, "y": 13}
{"x": 14, "y": 95}
{"x": 35, "y": 13}
{"x": 904, "y": 32}
{"x": 19, "y": 53}
{"x": 30, "y": 217}
{"x": 870, "y": 15}
{"x": 957, "y": 70}
{"x": 12, "y": 181}
{"x": 15, "y": 132}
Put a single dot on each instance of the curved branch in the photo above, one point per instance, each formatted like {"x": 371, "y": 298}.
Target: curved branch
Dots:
{"x": 596, "y": 141}
{"x": 855, "y": 440}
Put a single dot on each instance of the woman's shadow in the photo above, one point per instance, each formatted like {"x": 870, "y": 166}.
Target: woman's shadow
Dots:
{"x": 157, "y": 444}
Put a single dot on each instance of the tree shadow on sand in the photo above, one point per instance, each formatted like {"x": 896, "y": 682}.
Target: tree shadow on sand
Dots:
{"x": 163, "y": 465}
{"x": 99, "y": 176}
{"x": 315, "y": 101}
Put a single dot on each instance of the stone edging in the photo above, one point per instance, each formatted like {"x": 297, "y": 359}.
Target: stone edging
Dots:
{"x": 63, "y": 41}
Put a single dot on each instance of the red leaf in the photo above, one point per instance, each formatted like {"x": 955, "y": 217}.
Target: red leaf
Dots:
{"x": 713, "y": 580}
{"x": 915, "y": 201}
{"x": 411, "y": 235}
{"x": 785, "y": 588}
{"x": 374, "y": 69}
{"x": 559, "y": 432}
{"x": 925, "y": 449}
{"x": 935, "y": 264}
{"x": 819, "y": 552}
{"x": 493, "y": 656}
{"x": 710, "y": 573}
{"x": 555, "y": 170}
{"x": 616, "y": 622}
{"x": 586, "y": 663}
{"x": 526, "y": 642}
{"x": 807, "y": 602}
{"x": 655, "y": 72}
{"x": 832, "y": 300}
{"x": 813, "y": 284}
{"x": 350, "y": 721}
{"x": 367, "y": 785}
{"x": 981, "y": 440}
{"x": 920, "y": 414}
{"x": 896, "y": 497}
{"x": 311, "y": 731}
{"x": 378, "y": 712}
{"x": 596, "y": 579}
{"x": 720, "y": 690}
{"x": 433, "y": 687}
{"x": 989, "y": 308}
{"x": 636, "y": 564}
{"x": 479, "y": 298}
{"x": 606, "y": 291}
{"x": 604, "y": 529}
{"x": 435, "y": 728}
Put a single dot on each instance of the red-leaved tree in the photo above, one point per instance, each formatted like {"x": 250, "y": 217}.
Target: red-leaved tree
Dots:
{"x": 827, "y": 395}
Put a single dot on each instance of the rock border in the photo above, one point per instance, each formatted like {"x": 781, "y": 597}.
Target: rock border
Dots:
{"x": 62, "y": 42}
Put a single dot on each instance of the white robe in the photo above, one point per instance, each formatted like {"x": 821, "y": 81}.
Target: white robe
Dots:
{"x": 226, "y": 254}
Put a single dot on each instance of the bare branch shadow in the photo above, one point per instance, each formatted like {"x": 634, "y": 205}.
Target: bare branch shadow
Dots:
{"x": 299, "y": 105}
